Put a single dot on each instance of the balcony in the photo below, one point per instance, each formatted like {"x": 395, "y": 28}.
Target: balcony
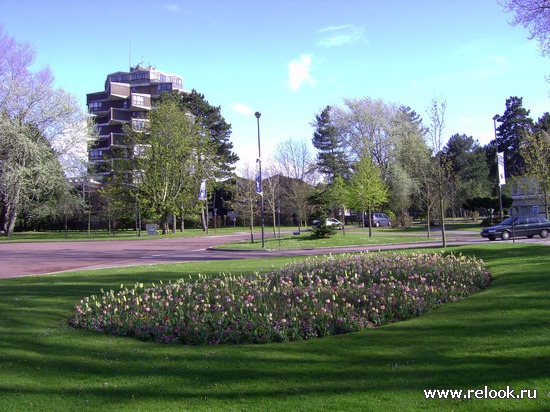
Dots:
{"x": 118, "y": 91}
{"x": 112, "y": 139}
{"x": 118, "y": 116}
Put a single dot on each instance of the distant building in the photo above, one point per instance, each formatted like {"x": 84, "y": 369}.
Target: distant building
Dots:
{"x": 127, "y": 97}
{"x": 528, "y": 199}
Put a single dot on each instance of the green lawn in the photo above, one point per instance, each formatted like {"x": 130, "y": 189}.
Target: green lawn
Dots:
{"x": 72, "y": 236}
{"x": 497, "y": 338}
{"x": 305, "y": 240}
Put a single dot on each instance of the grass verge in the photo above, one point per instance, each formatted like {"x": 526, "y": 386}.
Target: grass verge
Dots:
{"x": 497, "y": 338}
{"x": 305, "y": 240}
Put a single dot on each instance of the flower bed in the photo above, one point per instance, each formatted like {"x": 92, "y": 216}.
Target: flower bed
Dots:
{"x": 315, "y": 298}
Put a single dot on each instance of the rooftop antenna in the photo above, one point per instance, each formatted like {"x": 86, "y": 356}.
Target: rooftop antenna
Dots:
{"x": 130, "y": 55}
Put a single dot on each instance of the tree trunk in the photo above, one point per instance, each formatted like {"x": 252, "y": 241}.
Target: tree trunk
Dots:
{"x": 370, "y": 223}
{"x": 428, "y": 221}
{"x": 164, "y": 224}
{"x": 10, "y": 217}
{"x": 204, "y": 221}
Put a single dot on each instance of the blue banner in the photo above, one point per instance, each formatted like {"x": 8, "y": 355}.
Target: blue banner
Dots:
{"x": 202, "y": 192}
{"x": 258, "y": 176}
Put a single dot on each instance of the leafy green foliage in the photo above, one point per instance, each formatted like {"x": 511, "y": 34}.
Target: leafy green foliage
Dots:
{"x": 323, "y": 231}
{"x": 367, "y": 189}
{"x": 167, "y": 162}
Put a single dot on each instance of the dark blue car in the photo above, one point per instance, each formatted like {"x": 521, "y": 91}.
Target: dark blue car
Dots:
{"x": 518, "y": 226}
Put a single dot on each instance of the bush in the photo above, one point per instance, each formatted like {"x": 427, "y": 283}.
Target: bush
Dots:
{"x": 319, "y": 297}
{"x": 323, "y": 230}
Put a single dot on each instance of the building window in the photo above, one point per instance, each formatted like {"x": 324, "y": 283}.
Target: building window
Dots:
{"x": 96, "y": 155}
{"x": 119, "y": 78}
{"x": 138, "y": 100}
{"x": 95, "y": 106}
{"x": 139, "y": 76}
{"x": 164, "y": 86}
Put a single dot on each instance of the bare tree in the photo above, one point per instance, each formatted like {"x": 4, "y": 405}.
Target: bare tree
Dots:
{"x": 293, "y": 158}
{"x": 536, "y": 155}
{"x": 533, "y": 15}
{"x": 271, "y": 186}
{"x": 245, "y": 201}
{"x": 294, "y": 161}
{"x": 436, "y": 114}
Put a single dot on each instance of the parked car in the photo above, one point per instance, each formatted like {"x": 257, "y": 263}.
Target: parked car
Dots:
{"x": 329, "y": 222}
{"x": 521, "y": 226}
{"x": 378, "y": 219}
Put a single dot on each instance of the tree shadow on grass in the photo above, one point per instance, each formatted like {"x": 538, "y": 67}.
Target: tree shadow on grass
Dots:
{"x": 494, "y": 338}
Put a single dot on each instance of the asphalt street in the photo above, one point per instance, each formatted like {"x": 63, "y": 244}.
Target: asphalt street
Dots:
{"x": 21, "y": 259}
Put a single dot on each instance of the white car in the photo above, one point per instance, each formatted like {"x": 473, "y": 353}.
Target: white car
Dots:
{"x": 330, "y": 222}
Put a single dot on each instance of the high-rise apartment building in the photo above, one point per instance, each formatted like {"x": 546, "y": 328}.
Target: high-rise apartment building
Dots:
{"x": 125, "y": 101}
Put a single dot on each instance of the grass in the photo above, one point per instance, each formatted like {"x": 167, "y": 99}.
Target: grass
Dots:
{"x": 74, "y": 236}
{"x": 305, "y": 240}
{"x": 497, "y": 338}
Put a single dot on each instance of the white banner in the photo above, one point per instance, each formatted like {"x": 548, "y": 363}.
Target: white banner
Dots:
{"x": 501, "y": 175}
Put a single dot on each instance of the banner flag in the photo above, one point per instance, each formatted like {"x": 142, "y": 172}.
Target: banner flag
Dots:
{"x": 501, "y": 174}
{"x": 202, "y": 192}
{"x": 258, "y": 176}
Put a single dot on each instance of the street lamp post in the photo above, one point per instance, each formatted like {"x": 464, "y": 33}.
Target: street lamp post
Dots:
{"x": 495, "y": 118}
{"x": 258, "y": 114}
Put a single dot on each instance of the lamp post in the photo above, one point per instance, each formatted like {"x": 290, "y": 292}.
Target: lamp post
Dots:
{"x": 258, "y": 114}
{"x": 495, "y": 118}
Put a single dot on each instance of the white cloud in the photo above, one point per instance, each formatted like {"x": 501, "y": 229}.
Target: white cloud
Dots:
{"x": 172, "y": 7}
{"x": 298, "y": 72}
{"x": 336, "y": 36}
{"x": 242, "y": 109}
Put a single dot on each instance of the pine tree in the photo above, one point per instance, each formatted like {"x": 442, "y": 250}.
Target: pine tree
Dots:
{"x": 514, "y": 124}
{"x": 331, "y": 159}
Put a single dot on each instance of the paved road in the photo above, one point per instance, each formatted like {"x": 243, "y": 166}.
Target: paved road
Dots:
{"x": 20, "y": 259}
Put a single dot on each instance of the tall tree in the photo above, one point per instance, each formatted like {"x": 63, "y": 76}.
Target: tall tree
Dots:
{"x": 169, "y": 160}
{"x": 515, "y": 123}
{"x": 468, "y": 169}
{"x": 218, "y": 131}
{"x": 404, "y": 174}
{"x": 331, "y": 159}
{"x": 294, "y": 161}
{"x": 367, "y": 127}
{"x": 367, "y": 190}
{"x": 32, "y": 113}
{"x": 436, "y": 114}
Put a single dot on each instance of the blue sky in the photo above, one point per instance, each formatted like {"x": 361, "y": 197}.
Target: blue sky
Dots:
{"x": 289, "y": 59}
